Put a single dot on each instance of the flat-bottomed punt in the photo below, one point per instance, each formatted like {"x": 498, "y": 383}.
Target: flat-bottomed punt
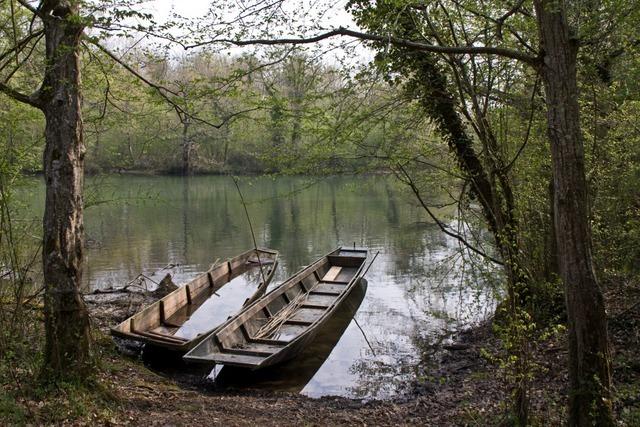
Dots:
{"x": 158, "y": 323}
{"x": 280, "y": 324}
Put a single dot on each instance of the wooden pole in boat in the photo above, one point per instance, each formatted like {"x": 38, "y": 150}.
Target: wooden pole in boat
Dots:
{"x": 253, "y": 236}
{"x": 354, "y": 316}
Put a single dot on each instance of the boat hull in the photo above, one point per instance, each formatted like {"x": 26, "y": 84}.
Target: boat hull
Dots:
{"x": 279, "y": 325}
{"x": 157, "y": 323}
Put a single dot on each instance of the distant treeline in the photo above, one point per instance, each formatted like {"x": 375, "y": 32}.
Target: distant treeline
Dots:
{"x": 208, "y": 113}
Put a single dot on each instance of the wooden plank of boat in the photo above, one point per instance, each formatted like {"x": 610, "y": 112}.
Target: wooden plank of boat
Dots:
{"x": 235, "y": 359}
{"x": 324, "y": 288}
{"x": 256, "y": 349}
{"x": 158, "y": 323}
{"x": 333, "y": 272}
{"x": 320, "y": 300}
{"x": 281, "y": 323}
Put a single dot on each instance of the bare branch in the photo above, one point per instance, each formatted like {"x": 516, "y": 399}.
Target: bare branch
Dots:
{"x": 32, "y": 99}
{"x": 417, "y": 46}
{"x": 445, "y": 229}
{"x": 159, "y": 88}
{"x": 20, "y": 45}
{"x": 21, "y": 62}
{"x": 500, "y": 21}
{"x": 528, "y": 132}
{"x": 162, "y": 91}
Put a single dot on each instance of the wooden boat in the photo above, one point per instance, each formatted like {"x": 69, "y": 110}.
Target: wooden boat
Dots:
{"x": 279, "y": 325}
{"x": 158, "y": 323}
{"x": 294, "y": 375}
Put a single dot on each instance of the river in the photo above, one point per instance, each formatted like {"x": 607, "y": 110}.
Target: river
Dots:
{"x": 417, "y": 287}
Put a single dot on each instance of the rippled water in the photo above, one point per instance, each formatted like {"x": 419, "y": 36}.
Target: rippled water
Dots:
{"x": 416, "y": 288}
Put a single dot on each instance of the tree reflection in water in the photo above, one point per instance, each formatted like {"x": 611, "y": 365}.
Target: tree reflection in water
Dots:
{"x": 418, "y": 286}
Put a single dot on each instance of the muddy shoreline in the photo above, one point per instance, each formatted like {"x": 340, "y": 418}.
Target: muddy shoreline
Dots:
{"x": 444, "y": 385}
{"x": 448, "y": 354}
{"x": 460, "y": 384}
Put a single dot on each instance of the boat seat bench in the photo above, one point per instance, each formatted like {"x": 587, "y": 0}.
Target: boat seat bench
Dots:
{"x": 298, "y": 322}
{"x": 269, "y": 341}
{"x": 238, "y": 359}
{"x": 320, "y": 300}
{"x": 320, "y": 306}
{"x": 259, "y": 349}
{"x": 332, "y": 273}
{"x": 328, "y": 288}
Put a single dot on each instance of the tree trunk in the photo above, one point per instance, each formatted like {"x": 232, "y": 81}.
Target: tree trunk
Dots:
{"x": 589, "y": 362}
{"x": 186, "y": 147}
{"x": 225, "y": 152}
{"x": 67, "y": 348}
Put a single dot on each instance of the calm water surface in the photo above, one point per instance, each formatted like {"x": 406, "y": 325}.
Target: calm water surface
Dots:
{"x": 416, "y": 287}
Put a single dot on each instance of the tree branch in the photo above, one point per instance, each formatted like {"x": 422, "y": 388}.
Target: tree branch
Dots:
{"x": 159, "y": 88}
{"x": 20, "y": 45}
{"x": 32, "y": 99}
{"x": 508, "y": 167}
{"x": 21, "y": 63}
{"x": 417, "y": 46}
{"x": 26, "y": 4}
{"x": 407, "y": 180}
{"x": 500, "y": 21}
{"x": 162, "y": 91}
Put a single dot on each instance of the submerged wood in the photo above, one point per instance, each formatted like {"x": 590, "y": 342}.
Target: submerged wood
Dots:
{"x": 282, "y": 323}
{"x": 158, "y": 323}
{"x": 297, "y": 372}
{"x": 165, "y": 287}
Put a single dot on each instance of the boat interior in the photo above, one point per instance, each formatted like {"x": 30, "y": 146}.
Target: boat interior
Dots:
{"x": 159, "y": 322}
{"x": 287, "y": 312}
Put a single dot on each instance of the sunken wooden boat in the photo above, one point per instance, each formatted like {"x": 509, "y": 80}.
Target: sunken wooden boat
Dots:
{"x": 279, "y": 325}
{"x": 295, "y": 374}
{"x": 158, "y": 323}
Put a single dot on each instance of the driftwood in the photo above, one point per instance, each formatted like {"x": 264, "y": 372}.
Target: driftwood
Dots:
{"x": 135, "y": 283}
{"x": 165, "y": 287}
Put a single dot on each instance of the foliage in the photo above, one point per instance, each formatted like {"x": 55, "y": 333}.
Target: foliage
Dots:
{"x": 615, "y": 174}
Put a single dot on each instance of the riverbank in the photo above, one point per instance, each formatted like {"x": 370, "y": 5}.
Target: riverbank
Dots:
{"x": 461, "y": 384}
{"x": 125, "y": 392}
{"x": 176, "y": 172}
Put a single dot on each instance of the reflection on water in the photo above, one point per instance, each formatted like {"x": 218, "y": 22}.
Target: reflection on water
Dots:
{"x": 222, "y": 304}
{"x": 188, "y": 223}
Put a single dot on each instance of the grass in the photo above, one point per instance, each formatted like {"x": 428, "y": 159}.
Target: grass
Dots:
{"x": 25, "y": 399}
{"x": 10, "y": 411}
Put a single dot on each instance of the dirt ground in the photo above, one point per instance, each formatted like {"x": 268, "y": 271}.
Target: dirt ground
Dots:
{"x": 461, "y": 390}
{"x": 461, "y": 386}
{"x": 148, "y": 398}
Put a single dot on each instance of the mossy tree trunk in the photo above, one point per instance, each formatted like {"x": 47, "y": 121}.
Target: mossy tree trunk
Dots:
{"x": 589, "y": 360}
{"x": 67, "y": 348}
{"x": 68, "y": 341}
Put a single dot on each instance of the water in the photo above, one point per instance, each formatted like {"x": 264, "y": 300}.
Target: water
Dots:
{"x": 220, "y": 306}
{"x": 156, "y": 225}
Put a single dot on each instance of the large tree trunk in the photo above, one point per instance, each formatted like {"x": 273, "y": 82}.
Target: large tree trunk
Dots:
{"x": 67, "y": 349}
{"x": 589, "y": 362}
